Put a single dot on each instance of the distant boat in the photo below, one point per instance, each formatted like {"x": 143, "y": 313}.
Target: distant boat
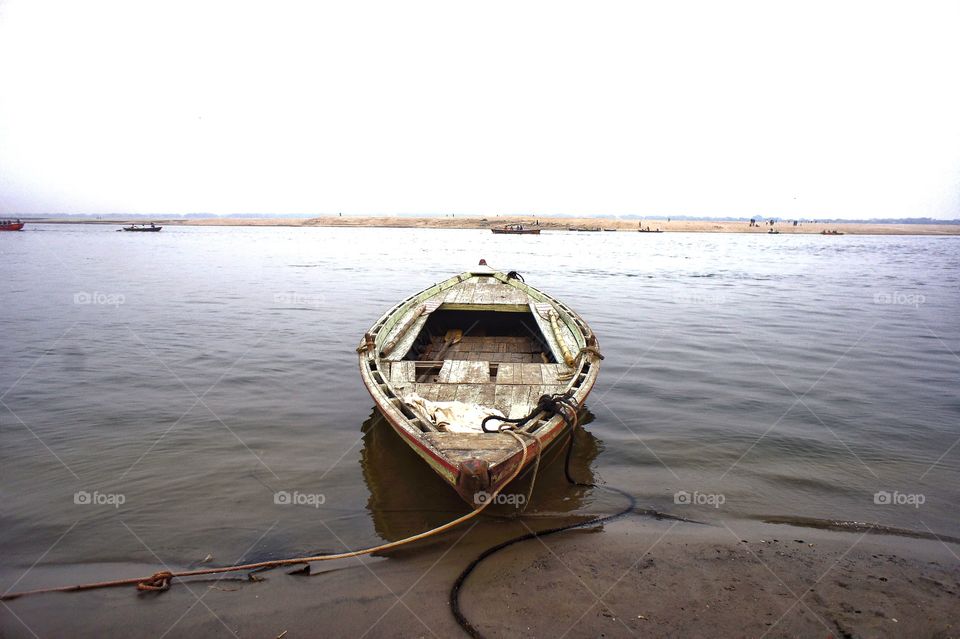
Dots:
{"x": 142, "y": 229}
{"x": 647, "y": 230}
{"x": 516, "y": 229}
{"x": 584, "y": 229}
{"x": 11, "y": 226}
{"x": 609, "y": 229}
{"x": 825, "y": 232}
{"x": 772, "y": 232}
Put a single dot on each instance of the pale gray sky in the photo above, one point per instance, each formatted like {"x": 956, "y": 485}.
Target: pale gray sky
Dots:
{"x": 817, "y": 109}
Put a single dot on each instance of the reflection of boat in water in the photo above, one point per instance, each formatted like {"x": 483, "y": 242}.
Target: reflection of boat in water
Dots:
{"x": 407, "y": 497}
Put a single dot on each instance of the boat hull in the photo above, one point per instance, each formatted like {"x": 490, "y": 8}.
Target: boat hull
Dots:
{"x": 470, "y": 468}
{"x": 510, "y": 232}
{"x": 11, "y": 227}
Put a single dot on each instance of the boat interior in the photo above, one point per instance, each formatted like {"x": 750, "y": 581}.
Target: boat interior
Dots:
{"x": 478, "y": 343}
{"x": 496, "y": 337}
{"x": 489, "y": 358}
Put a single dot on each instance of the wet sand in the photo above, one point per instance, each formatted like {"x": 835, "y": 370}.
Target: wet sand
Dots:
{"x": 635, "y": 576}
{"x": 557, "y": 224}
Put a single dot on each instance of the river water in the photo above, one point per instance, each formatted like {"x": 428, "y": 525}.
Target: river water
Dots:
{"x": 158, "y": 390}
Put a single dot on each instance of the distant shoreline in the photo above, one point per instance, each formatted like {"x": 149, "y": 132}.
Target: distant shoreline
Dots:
{"x": 545, "y": 223}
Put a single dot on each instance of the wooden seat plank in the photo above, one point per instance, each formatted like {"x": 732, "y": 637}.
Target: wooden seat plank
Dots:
{"x": 464, "y": 372}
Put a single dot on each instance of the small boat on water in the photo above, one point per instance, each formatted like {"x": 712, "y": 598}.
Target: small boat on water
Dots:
{"x": 7, "y": 225}
{"x": 516, "y": 229}
{"x": 483, "y": 343}
{"x": 141, "y": 228}
{"x": 826, "y": 232}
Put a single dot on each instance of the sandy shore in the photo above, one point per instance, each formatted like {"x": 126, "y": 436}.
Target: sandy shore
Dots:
{"x": 559, "y": 224}
{"x": 637, "y": 576}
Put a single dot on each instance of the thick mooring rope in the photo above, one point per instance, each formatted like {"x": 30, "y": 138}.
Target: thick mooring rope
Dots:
{"x": 162, "y": 580}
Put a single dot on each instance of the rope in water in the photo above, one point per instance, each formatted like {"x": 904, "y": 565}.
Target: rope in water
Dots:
{"x": 162, "y": 580}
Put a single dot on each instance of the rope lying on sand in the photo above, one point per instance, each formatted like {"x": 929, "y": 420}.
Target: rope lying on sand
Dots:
{"x": 162, "y": 580}
{"x": 455, "y": 590}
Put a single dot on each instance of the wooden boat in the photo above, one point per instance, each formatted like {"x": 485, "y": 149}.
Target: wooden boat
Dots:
{"x": 516, "y": 229}
{"x": 11, "y": 226}
{"x": 479, "y": 342}
{"x": 142, "y": 229}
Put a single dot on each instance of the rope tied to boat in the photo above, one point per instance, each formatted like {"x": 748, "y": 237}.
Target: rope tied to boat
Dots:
{"x": 586, "y": 350}
{"x": 555, "y": 404}
{"x": 161, "y": 581}
{"x": 593, "y": 350}
{"x": 536, "y": 464}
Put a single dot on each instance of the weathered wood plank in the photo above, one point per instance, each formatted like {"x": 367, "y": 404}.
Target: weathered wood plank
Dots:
{"x": 551, "y": 373}
{"x": 471, "y": 441}
{"x": 508, "y": 373}
{"x": 464, "y": 372}
{"x": 467, "y": 393}
{"x": 447, "y": 392}
{"x": 531, "y": 374}
{"x": 402, "y": 372}
{"x": 428, "y": 391}
{"x": 514, "y": 401}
